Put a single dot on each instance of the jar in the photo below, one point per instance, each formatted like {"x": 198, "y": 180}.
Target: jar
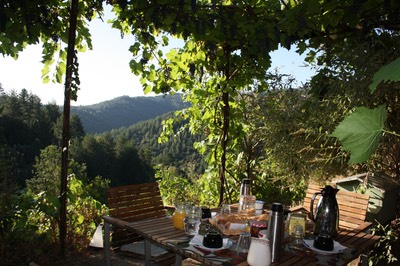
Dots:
{"x": 179, "y": 215}
{"x": 256, "y": 226}
{"x": 259, "y": 252}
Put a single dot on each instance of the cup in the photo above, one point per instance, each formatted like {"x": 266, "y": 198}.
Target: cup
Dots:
{"x": 297, "y": 234}
{"x": 259, "y": 207}
{"x": 192, "y": 220}
{"x": 225, "y": 209}
{"x": 191, "y": 226}
{"x": 243, "y": 244}
{"x": 259, "y": 204}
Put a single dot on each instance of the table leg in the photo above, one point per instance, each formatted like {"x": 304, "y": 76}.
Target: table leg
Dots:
{"x": 106, "y": 239}
{"x": 178, "y": 260}
{"x": 363, "y": 260}
{"x": 147, "y": 252}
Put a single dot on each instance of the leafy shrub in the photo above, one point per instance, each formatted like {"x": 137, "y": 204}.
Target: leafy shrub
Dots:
{"x": 31, "y": 230}
{"x": 386, "y": 251}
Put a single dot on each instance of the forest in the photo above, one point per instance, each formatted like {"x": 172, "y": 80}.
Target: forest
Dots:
{"x": 245, "y": 120}
{"x": 123, "y": 155}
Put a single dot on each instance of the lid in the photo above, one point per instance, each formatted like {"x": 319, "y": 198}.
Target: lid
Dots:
{"x": 277, "y": 207}
{"x": 258, "y": 224}
{"x": 329, "y": 191}
{"x": 246, "y": 181}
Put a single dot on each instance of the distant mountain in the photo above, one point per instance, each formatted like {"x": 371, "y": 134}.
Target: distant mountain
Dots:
{"x": 125, "y": 111}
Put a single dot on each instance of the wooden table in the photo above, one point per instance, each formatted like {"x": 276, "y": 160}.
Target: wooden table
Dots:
{"x": 160, "y": 231}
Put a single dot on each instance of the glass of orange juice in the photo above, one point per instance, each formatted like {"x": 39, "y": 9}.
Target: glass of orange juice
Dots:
{"x": 179, "y": 215}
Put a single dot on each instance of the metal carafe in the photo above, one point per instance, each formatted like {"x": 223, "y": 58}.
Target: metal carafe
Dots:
{"x": 326, "y": 215}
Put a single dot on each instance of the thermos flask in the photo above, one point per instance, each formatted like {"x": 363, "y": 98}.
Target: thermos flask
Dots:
{"x": 276, "y": 231}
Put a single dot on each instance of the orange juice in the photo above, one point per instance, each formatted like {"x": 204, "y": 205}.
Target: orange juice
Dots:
{"x": 177, "y": 219}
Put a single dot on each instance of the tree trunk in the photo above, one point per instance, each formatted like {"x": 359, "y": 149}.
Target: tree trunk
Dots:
{"x": 66, "y": 118}
{"x": 225, "y": 127}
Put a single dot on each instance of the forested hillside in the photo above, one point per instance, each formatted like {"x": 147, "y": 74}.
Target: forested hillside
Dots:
{"x": 125, "y": 111}
{"x": 178, "y": 151}
{"x": 124, "y": 156}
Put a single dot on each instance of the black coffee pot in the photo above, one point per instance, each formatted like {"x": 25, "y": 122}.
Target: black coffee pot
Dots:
{"x": 326, "y": 215}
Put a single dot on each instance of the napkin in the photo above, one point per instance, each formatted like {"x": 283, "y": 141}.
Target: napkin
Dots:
{"x": 236, "y": 226}
{"x": 337, "y": 247}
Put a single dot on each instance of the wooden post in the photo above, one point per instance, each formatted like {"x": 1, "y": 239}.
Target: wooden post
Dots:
{"x": 107, "y": 255}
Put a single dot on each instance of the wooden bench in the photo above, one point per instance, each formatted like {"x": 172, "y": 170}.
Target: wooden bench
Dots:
{"x": 352, "y": 207}
{"x": 131, "y": 203}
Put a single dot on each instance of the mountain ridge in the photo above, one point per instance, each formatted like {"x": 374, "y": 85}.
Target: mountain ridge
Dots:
{"x": 124, "y": 111}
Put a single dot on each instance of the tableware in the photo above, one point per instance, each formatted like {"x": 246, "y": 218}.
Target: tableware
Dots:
{"x": 259, "y": 252}
{"x": 245, "y": 189}
{"x": 297, "y": 234}
{"x": 226, "y": 245}
{"x": 192, "y": 220}
{"x": 204, "y": 228}
{"x": 179, "y": 215}
{"x": 205, "y": 213}
{"x": 337, "y": 247}
{"x": 248, "y": 205}
{"x": 326, "y": 214}
{"x": 243, "y": 244}
{"x": 225, "y": 209}
{"x": 212, "y": 239}
{"x": 323, "y": 242}
{"x": 297, "y": 218}
{"x": 259, "y": 204}
{"x": 276, "y": 231}
{"x": 262, "y": 233}
{"x": 256, "y": 226}
{"x": 197, "y": 241}
{"x": 191, "y": 226}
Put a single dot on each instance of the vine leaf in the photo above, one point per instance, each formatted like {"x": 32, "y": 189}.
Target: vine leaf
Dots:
{"x": 360, "y": 132}
{"x": 386, "y": 73}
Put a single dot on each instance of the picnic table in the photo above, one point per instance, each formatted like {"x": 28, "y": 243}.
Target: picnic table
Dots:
{"x": 137, "y": 210}
{"x": 160, "y": 231}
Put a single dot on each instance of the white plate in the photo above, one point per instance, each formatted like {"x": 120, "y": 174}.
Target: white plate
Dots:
{"x": 337, "y": 247}
{"x": 225, "y": 246}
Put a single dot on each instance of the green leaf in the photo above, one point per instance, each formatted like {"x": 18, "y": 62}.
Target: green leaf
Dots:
{"x": 60, "y": 71}
{"x": 361, "y": 132}
{"x": 388, "y": 72}
{"x": 80, "y": 219}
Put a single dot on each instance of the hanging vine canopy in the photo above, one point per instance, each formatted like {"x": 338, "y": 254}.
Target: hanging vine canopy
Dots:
{"x": 246, "y": 30}
{"x": 227, "y": 52}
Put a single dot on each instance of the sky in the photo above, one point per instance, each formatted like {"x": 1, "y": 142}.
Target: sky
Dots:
{"x": 104, "y": 71}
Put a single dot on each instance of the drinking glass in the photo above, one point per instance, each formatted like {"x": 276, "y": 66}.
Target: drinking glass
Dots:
{"x": 297, "y": 234}
{"x": 225, "y": 209}
{"x": 192, "y": 220}
{"x": 243, "y": 244}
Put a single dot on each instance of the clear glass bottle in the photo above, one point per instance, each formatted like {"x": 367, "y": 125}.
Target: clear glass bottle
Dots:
{"x": 245, "y": 190}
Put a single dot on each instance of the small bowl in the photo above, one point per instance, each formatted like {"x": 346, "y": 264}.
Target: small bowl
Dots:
{"x": 212, "y": 239}
{"x": 259, "y": 204}
{"x": 323, "y": 242}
